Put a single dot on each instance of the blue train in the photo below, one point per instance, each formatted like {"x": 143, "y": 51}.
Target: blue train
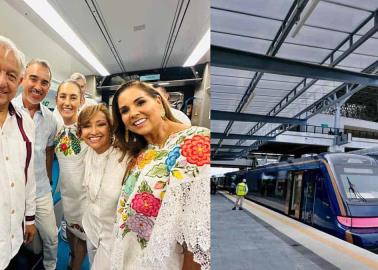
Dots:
{"x": 335, "y": 192}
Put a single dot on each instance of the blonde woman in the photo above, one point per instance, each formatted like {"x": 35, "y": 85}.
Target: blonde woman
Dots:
{"x": 70, "y": 151}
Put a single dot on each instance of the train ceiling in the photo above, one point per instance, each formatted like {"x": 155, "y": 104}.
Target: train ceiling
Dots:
{"x": 124, "y": 35}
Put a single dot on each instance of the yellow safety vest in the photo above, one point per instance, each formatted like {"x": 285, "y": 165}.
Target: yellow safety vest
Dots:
{"x": 241, "y": 189}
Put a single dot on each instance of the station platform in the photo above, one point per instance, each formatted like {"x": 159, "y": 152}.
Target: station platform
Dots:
{"x": 259, "y": 238}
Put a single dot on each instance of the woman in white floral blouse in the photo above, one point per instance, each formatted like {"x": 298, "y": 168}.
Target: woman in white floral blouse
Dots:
{"x": 163, "y": 213}
{"x": 70, "y": 151}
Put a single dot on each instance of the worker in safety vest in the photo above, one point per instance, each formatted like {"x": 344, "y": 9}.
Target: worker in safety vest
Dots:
{"x": 241, "y": 191}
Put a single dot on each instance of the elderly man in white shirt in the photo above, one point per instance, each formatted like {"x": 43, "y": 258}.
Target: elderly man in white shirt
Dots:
{"x": 36, "y": 85}
{"x": 17, "y": 179}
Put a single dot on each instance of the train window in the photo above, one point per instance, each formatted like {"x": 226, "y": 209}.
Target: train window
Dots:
{"x": 321, "y": 189}
{"x": 342, "y": 159}
{"x": 359, "y": 186}
{"x": 358, "y": 182}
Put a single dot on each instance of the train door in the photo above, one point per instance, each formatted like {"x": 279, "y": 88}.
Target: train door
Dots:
{"x": 309, "y": 190}
{"x": 296, "y": 194}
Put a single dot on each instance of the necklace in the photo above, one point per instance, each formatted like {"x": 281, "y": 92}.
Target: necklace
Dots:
{"x": 96, "y": 175}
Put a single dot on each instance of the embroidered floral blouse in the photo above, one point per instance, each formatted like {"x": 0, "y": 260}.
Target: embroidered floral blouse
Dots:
{"x": 165, "y": 204}
{"x": 70, "y": 151}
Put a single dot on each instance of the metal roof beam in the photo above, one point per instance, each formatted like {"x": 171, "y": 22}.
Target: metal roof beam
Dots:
{"x": 290, "y": 19}
{"x": 229, "y": 146}
{"x": 216, "y": 135}
{"x": 234, "y": 59}
{"x": 302, "y": 86}
{"x": 245, "y": 117}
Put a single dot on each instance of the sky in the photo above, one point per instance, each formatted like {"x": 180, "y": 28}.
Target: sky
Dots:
{"x": 219, "y": 170}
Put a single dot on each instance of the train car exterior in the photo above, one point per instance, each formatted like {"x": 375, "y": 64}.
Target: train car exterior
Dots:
{"x": 335, "y": 192}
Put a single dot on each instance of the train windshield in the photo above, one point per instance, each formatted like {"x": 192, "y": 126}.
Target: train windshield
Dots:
{"x": 357, "y": 176}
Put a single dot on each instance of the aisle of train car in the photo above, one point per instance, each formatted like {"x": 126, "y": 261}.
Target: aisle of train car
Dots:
{"x": 279, "y": 242}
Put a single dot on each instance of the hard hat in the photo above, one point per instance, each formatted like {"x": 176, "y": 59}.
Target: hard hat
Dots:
{"x": 244, "y": 180}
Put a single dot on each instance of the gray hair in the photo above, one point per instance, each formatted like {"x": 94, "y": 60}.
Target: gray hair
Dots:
{"x": 10, "y": 47}
{"x": 78, "y": 76}
{"x": 42, "y": 62}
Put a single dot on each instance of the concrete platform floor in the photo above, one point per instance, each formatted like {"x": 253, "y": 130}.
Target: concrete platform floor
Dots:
{"x": 260, "y": 239}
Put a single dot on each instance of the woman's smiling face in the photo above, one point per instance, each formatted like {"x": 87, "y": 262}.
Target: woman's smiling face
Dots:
{"x": 140, "y": 112}
{"x": 68, "y": 101}
{"x": 96, "y": 132}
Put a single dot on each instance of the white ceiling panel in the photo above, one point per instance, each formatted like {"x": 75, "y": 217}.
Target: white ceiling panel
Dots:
{"x": 225, "y": 80}
{"x": 369, "y": 47}
{"x": 269, "y": 8}
{"x": 311, "y": 36}
{"x": 365, "y": 4}
{"x": 271, "y": 92}
{"x": 357, "y": 61}
{"x": 242, "y": 43}
{"x": 347, "y": 19}
{"x": 228, "y": 89}
{"x": 244, "y": 24}
{"x": 232, "y": 72}
{"x": 242, "y": 127}
{"x": 281, "y": 78}
{"x": 301, "y": 53}
{"x": 275, "y": 85}
{"x": 228, "y": 96}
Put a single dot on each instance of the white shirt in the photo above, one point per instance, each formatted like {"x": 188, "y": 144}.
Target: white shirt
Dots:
{"x": 182, "y": 117}
{"x": 103, "y": 182}
{"x": 17, "y": 199}
{"x": 44, "y": 137}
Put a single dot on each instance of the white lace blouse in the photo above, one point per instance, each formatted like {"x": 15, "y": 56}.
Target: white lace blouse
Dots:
{"x": 102, "y": 182}
{"x": 165, "y": 205}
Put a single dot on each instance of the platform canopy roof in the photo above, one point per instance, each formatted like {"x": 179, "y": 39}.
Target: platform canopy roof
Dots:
{"x": 289, "y": 59}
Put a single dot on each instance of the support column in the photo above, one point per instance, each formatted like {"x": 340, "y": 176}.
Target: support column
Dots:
{"x": 91, "y": 87}
{"x": 201, "y": 103}
{"x": 334, "y": 147}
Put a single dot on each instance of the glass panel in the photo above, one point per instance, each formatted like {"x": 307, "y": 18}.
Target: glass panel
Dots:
{"x": 244, "y": 24}
{"x": 297, "y": 52}
{"x": 240, "y": 42}
{"x": 312, "y": 36}
{"x": 347, "y": 19}
{"x": 234, "y": 81}
{"x": 270, "y": 8}
{"x": 232, "y": 72}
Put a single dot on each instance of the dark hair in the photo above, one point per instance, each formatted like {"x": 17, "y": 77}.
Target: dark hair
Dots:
{"x": 136, "y": 143}
{"x": 88, "y": 112}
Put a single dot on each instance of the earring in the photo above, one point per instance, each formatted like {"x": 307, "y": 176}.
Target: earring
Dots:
{"x": 162, "y": 115}
{"x": 126, "y": 135}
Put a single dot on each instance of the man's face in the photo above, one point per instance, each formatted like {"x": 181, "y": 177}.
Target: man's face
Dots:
{"x": 10, "y": 76}
{"x": 82, "y": 85}
{"x": 36, "y": 83}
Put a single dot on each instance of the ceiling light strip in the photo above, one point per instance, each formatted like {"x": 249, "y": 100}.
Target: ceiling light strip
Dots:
{"x": 199, "y": 51}
{"x": 52, "y": 18}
